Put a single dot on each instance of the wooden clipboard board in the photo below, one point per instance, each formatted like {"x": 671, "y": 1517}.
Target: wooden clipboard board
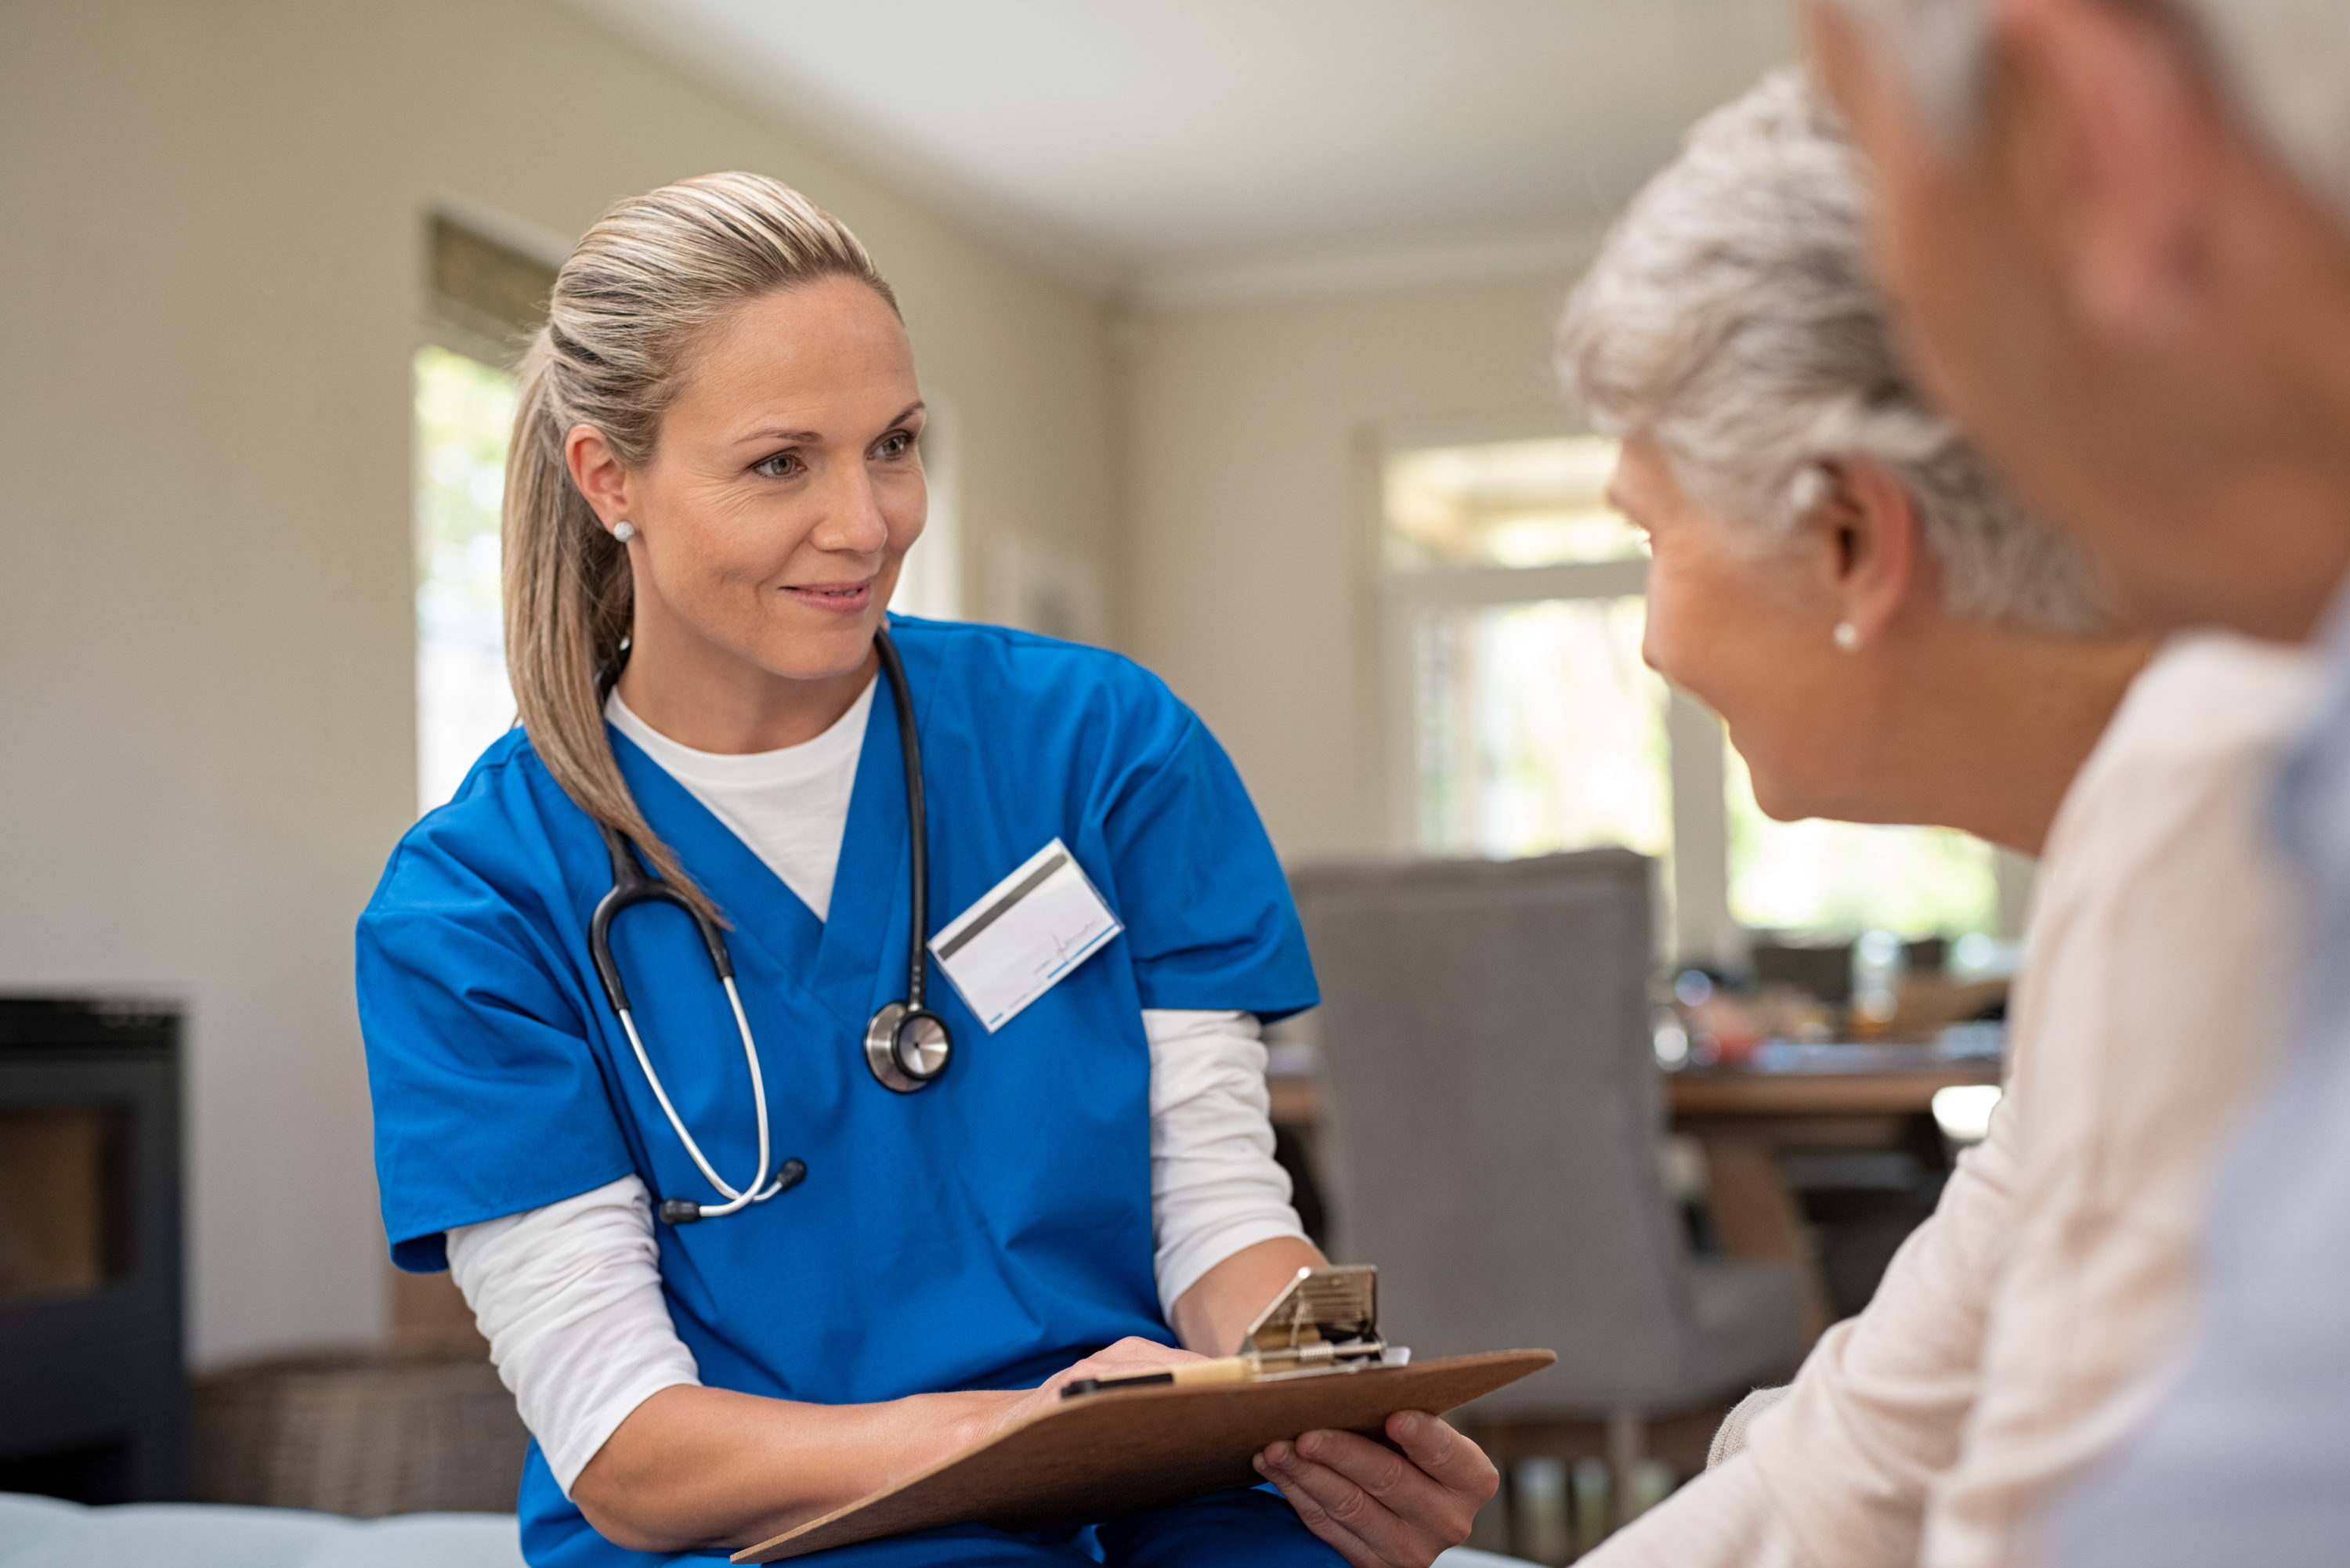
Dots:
{"x": 1122, "y": 1451}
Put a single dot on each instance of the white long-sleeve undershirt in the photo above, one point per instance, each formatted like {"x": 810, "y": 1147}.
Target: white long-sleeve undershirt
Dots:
{"x": 569, "y": 1295}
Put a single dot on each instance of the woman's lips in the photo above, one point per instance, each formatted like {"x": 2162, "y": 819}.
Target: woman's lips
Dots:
{"x": 838, "y": 599}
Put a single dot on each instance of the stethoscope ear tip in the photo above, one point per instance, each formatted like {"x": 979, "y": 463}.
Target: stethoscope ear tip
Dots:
{"x": 685, "y": 1212}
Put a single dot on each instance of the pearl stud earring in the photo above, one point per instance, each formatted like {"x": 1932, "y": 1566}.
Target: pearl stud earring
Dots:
{"x": 624, "y": 530}
{"x": 1848, "y": 635}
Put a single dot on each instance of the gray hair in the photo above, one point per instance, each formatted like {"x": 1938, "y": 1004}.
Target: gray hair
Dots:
{"x": 2282, "y": 63}
{"x": 1731, "y": 317}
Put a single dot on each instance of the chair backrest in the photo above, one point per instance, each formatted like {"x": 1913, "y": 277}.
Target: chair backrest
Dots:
{"x": 1495, "y": 1115}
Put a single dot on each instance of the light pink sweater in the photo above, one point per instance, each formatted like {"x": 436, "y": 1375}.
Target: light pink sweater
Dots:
{"x": 2016, "y": 1333}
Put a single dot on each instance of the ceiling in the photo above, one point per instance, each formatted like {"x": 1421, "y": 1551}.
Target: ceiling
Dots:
{"x": 1205, "y": 146}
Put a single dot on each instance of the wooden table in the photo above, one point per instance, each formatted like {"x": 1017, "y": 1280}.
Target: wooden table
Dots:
{"x": 1828, "y": 1096}
{"x": 1791, "y": 1097}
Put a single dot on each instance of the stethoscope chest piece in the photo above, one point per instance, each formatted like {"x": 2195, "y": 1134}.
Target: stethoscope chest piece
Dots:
{"x": 908, "y": 1047}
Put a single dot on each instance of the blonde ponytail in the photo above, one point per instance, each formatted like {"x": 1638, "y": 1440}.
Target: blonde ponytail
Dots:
{"x": 627, "y": 308}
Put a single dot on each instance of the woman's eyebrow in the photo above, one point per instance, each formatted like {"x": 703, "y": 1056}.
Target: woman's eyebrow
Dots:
{"x": 767, "y": 437}
{"x": 816, "y": 437}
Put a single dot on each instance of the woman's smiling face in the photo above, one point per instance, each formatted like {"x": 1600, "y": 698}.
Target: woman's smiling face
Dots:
{"x": 785, "y": 487}
{"x": 1736, "y": 619}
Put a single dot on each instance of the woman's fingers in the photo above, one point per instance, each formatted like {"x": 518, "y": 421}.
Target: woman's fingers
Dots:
{"x": 1133, "y": 1350}
{"x": 1379, "y": 1508}
{"x": 1129, "y": 1357}
{"x": 1287, "y": 1475}
{"x": 1446, "y": 1457}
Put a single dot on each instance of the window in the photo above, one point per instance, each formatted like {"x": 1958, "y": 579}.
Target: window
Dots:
{"x": 464, "y": 410}
{"x": 1523, "y": 719}
{"x": 484, "y": 299}
{"x": 1843, "y": 877}
{"x": 1512, "y": 763}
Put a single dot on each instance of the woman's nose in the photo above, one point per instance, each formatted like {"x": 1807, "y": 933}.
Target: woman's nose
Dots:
{"x": 853, "y": 522}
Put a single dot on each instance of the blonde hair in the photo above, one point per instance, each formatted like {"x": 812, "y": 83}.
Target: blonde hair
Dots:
{"x": 652, "y": 275}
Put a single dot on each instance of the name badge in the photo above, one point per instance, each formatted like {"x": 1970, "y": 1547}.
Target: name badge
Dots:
{"x": 1023, "y": 935}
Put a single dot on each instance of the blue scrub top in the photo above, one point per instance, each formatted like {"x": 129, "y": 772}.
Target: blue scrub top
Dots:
{"x": 980, "y": 1235}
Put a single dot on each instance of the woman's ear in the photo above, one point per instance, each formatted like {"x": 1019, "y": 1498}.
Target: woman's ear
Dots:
{"x": 2125, "y": 146}
{"x": 599, "y": 474}
{"x": 1876, "y": 543}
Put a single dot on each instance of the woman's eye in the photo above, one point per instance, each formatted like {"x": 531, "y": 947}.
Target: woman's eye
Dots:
{"x": 897, "y": 443}
{"x": 783, "y": 466}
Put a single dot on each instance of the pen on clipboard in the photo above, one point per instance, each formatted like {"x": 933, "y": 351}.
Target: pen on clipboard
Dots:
{"x": 1325, "y": 1320}
{"x": 1252, "y": 1367}
{"x": 1222, "y": 1369}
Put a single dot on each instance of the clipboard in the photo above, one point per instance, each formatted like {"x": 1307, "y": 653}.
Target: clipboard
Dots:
{"x": 1126, "y": 1448}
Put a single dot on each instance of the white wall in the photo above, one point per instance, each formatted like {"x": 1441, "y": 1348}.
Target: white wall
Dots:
{"x": 212, "y": 251}
{"x": 1247, "y": 571}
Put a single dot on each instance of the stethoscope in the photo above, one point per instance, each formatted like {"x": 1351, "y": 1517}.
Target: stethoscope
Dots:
{"x": 907, "y": 1046}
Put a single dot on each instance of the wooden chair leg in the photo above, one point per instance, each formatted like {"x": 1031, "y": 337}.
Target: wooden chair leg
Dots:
{"x": 1756, "y": 1216}
{"x": 1627, "y": 1442}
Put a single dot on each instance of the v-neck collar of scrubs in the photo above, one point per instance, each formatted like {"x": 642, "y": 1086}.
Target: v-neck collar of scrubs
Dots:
{"x": 790, "y": 805}
{"x": 850, "y": 959}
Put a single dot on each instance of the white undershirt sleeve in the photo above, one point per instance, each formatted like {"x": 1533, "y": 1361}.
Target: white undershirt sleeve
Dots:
{"x": 1215, "y": 1187}
{"x": 569, "y": 1297}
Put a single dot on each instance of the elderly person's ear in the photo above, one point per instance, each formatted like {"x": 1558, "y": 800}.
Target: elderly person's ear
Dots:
{"x": 2130, "y": 151}
{"x": 1864, "y": 523}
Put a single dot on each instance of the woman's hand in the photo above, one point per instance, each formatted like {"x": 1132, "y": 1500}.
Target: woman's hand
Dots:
{"x": 1378, "y": 1508}
{"x": 1129, "y": 1357}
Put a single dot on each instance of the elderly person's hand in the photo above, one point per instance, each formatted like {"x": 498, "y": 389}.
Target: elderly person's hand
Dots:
{"x": 1382, "y": 1507}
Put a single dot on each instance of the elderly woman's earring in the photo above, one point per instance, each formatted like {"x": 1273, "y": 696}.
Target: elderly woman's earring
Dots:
{"x": 1846, "y": 635}
{"x": 624, "y": 530}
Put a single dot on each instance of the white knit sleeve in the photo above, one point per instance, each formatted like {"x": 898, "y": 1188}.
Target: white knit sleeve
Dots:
{"x": 1722, "y": 1519}
{"x": 569, "y": 1297}
{"x": 1214, "y": 1185}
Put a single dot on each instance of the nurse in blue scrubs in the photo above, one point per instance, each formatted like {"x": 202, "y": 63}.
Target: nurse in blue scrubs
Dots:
{"x": 713, "y": 482}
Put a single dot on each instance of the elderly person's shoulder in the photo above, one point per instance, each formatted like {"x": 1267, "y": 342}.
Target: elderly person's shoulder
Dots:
{"x": 2206, "y": 690}
{"x": 2203, "y": 727}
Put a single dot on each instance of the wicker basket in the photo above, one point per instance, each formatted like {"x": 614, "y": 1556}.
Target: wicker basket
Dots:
{"x": 402, "y": 1428}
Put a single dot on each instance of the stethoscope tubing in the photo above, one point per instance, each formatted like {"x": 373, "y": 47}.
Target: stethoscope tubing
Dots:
{"x": 764, "y": 1186}
{"x": 917, "y": 832}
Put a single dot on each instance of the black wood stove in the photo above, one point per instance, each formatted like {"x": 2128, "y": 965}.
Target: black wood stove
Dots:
{"x": 93, "y": 1383}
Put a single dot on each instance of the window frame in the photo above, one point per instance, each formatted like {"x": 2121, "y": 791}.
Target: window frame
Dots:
{"x": 1693, "y": 919}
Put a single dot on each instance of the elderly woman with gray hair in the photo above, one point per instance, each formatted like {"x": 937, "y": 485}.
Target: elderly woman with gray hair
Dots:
{"x": 1890, "y": 639}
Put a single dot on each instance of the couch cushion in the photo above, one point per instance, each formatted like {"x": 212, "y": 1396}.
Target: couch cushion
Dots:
{"x": 41, "y": 1532}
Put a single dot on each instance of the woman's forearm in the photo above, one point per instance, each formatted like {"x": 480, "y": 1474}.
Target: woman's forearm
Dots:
{"x": 1211, "y": 1315}
{"x": 707, "y": 1467}
{"x": 699, "y": 1468}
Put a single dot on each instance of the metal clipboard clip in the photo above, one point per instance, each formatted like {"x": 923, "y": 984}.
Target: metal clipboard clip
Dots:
{"x": 1326, "y": 1321}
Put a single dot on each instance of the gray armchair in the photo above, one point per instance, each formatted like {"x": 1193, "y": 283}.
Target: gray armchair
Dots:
{"x": 1495, "y": 1117}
